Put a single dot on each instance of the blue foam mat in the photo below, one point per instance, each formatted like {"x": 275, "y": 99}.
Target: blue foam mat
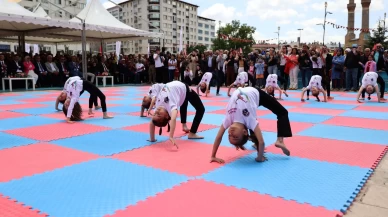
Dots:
{"x": 347, "y": 134}
{"x": 9, "y": 141}
{"x": 91, "y": 189}
{"x": 9, "y": 102}
{"x": 123, "y": 109}
{"x": 328, "y": 105}
{"x": 119, "y": 121}
{"x": 37, "y": 111}
{"x": 307, "y": 181}
{"x": 108, "y": 142}
{"x": 366, "y": 114}
{"x": 299, "y": 117}
{"x": 214, "y": 119}
{"x": 24, "y": 122}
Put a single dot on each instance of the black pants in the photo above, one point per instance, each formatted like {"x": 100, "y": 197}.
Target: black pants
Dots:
{"x": 252, "y": 79}
{"x": 94, "y": 93}
{"x": 381, "y": 82}
{"x": 283, "y": 123}
{"x": 196, "y": 102}
{"x": 165, "y": 75}
{"x": 218, "y": 79}
{"x": 159, "y": 74}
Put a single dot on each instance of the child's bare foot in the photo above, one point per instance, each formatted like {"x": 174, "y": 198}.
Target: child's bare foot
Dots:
{"x": 185, "y": 129}
{"x": 90, "y": 113}
{"x": 97, "y": 107}
{"x": 330, "y": 97}
{"x": 107, "y": 117}
{"x": 194, "y": 136}
{"x": 282, "y": 146}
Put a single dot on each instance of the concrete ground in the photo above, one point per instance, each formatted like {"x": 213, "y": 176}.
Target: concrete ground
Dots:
{"x": 372, "y": 201}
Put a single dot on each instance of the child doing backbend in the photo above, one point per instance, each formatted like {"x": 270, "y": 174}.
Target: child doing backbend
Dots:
{"x": 241, "y": 80}
{"x": 370, "y": 84}
{"x": 272, "y": 85}
{"x": 204, "y": 84}
{"x": 172, "y": 96}
{"x": 241, "y": 117}
{"x": 149, "y": 100}
{"x": 315, "y": 86}
{"x": 62, "y": 97}
{"x": 71, "y": 107}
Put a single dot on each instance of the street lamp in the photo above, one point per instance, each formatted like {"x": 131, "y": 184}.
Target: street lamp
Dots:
{"x": 278, "y": 32}
{"x": 324, "y": 23}
{"x": 300, "y": 36}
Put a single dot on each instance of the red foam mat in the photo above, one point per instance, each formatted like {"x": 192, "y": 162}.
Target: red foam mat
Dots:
{"x": 8, "y": 114}
{"x": 28, "y": 160}
{"x": 335, "y": 151}
{"x": 21, "y": 106}
{"x": 145, "y": 113}
{"x": 318, "y": 111}
{"x": 364, "y": 107}
{"x": 271, "y": 126}
{"x": 40, "y": 99}
{"x": 215, "y": 103}
{"x": 346, "y": 102}
{"x": 57, "y": 131}
{"x": 145, "y": 128}
{"x": 358, "y": 122}
{"x": 198, "y": 198}
{"x": 10, "y": 208}
{"x": 188, "y": 160}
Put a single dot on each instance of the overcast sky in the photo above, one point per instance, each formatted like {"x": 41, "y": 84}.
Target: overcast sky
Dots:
{"x": 290, "y": 15}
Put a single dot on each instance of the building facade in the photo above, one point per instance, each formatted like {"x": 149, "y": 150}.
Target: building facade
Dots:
{"x": 166, "y": 16}
{"x": 206, "y": 31}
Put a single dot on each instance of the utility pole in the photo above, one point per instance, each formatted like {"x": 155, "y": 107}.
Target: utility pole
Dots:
{"x": 278, "y": 32}
{"x": 300, "y": 36}
{"x": 324, "y": 23}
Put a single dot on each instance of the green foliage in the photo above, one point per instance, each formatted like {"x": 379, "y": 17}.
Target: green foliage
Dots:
{"x": 378, "y": 36}
{"x": 235, "y": 30}
{"x": 201, "y": 48}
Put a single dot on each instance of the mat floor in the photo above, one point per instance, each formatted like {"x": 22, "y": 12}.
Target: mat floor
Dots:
{"x": 98, "y": 167}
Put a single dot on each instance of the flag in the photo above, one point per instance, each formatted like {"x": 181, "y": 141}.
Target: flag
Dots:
{"x": 148, "y": 50}
{"x": 118, "y": 49}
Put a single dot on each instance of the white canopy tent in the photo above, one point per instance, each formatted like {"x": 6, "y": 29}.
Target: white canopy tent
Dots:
{"x": 18, "y": 23}
{"x": 102, "y": 26}
{"x": 41, "y": 12}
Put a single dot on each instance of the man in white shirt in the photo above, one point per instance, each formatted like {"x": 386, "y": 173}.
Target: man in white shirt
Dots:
{"x": 172, "y": 64}
{"x": 139, "y": 71}
{"x": 370, "y": 84}
{"x": 158, "y": 66}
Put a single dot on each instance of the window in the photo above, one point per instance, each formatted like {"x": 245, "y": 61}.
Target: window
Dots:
{"x": 206, "y": 26}
{"x": 212, "y": 34}
{"x": 169, "y": 2}
{"x": 191, "y": 29}
{"x": 164, "y": 1}
{"x": 165, "y": 17}
{"x": 199, "y": 31}
{"x": 206, "y": 32}
{"x": 59, "y": 2}
{"x": 212, "y": 27}
{"x": 200, "y": 25}
{"x": 179, "y": 12}
{"x": 199, "y": 38}
{"x": 165, "y": 9}
{"x": 170, "y": 26}
{"x": 206, "y": 39}
{"x": 165, "y": 25}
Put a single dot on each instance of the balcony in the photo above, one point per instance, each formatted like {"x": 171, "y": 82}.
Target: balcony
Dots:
{"x": 153, "y": 1}
{"x": 154, "y": 9}
{"x": 154, "y": 16}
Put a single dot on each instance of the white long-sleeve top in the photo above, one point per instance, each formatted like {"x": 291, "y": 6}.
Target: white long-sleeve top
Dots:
{"x": 188, "y": 73}
{"x": 318, "y": 64}
{"x": 73, "y": 92}
{"x": 70, "y": 81}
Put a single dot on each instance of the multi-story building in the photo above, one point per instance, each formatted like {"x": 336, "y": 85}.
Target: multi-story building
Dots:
{"x": 166, "y": 16}
{"x": 206, "y": 31}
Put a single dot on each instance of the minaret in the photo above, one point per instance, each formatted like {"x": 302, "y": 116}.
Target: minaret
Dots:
{"x": 350, "y": 35}
{"x": 365, "y": 21}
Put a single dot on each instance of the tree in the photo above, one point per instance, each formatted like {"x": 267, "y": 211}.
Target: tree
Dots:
{"x": 241, "y": 33}
{"x": 378, "y": 36}
{"x": 200, "y": 47}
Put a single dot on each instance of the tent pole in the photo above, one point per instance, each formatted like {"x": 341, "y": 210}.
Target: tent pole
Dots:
{"x": 23, "y": 43}
{"x": 84, "y": 58}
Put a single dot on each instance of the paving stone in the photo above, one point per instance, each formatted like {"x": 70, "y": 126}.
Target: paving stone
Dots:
{"x": 364, "y": 210}
{"x": 376, "y": 195}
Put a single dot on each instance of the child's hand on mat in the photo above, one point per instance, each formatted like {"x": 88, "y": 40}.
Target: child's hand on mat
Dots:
{"x": 149, "y": 140}
{"x": 218, "y": 160}
{"x": 58, "y": 109}
{"x": 149, "y": 113}
{"x": 69, "y": 121}
{"x": 302, "y": 100}
{"x": 324, "y": 101}
{"x": 173, "y": 142}
{"x": 260, "y": 160}
{"x": 359, "y": 101}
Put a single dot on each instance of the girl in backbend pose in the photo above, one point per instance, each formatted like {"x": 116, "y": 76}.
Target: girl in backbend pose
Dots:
{"x": 62, "y": 97}
{"x": 315, "y": 86}
{"x": 241, "y": 117}
{"x": 149, "y": 100}
{"x": 71, "y": 107}
{"x": 272, "y": 85}
{"x": 172, "y": 96}
{"x": 241, "y": 80}
{"x": 204, "y": 84}
{"x": 370, "y": 84}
